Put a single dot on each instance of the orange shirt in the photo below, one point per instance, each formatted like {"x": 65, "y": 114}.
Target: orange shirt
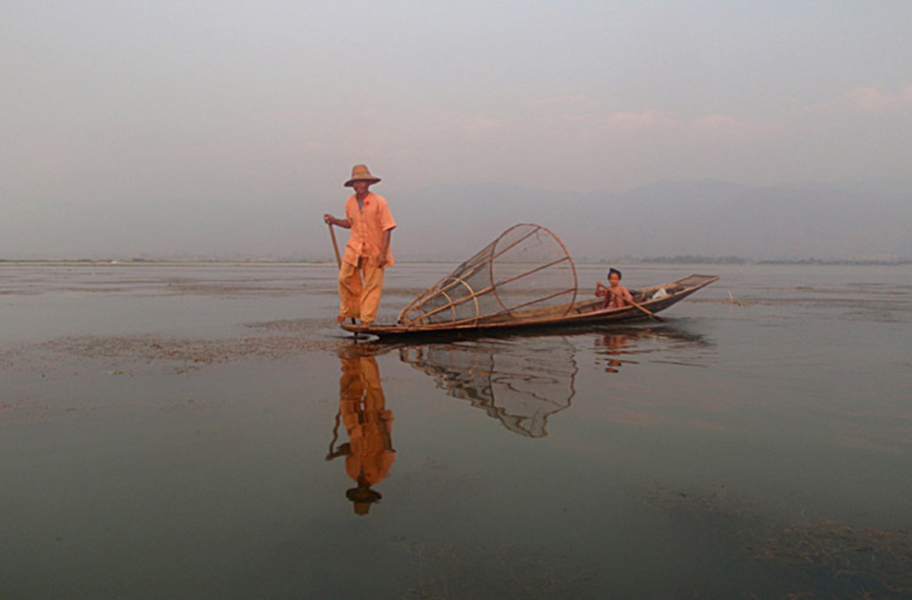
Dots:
{"x": 371, "y": 458}
{"x": 367, "y": 226}
{"x": 368, "y": 422}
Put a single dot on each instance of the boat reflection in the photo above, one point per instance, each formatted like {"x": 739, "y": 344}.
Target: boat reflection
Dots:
{"x": 523, "y": 380}
{"x": 520, "y": 383}
{"x": 369, "y": 453}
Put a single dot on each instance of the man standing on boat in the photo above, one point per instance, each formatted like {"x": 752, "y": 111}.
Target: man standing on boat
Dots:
{"x": 367, "y": 253}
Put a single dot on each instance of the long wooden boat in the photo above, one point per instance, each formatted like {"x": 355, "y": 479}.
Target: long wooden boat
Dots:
{"x": 583, "y": 313}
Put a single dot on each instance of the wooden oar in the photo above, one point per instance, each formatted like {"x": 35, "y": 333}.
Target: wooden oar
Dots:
{"x": 648, "y": 312}
{"x": 645, "y": 310}
{"x": 332, "y": 234}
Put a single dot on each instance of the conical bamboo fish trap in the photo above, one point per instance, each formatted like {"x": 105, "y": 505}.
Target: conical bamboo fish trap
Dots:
{"x": 525, "y": 269}
{"x": 520, "y": 384}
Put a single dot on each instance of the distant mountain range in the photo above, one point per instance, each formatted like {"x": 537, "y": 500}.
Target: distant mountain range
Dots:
{"x": 870, "y": 221}
{"x": 701, "y": 218}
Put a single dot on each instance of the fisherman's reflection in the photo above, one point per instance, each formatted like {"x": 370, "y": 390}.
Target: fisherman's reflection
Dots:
{"x": 369, "y": 453}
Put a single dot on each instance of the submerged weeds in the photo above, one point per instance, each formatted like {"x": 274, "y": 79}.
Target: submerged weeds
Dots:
{"x": 874, "y": 563}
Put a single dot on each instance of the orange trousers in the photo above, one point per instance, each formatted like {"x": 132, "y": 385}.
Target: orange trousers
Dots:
{"x": 359, "y": 290}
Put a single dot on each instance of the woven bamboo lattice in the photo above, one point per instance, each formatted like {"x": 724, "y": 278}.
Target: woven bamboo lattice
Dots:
{"x": 520, "y": 384}
{"x": 524, "y": 269}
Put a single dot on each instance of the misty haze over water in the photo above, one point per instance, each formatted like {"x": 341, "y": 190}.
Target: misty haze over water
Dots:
{"x": 862, "y": 221}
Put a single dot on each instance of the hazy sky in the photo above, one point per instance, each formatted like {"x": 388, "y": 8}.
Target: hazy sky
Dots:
{"x": 120, "y": 102}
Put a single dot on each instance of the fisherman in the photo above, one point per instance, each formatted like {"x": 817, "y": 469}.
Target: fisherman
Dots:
{"x": 367, "y": 253}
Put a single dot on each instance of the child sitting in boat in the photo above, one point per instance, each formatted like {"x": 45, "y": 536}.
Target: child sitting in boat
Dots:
{"x": 616, "y": 295}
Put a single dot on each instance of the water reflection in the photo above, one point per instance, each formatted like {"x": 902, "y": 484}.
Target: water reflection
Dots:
{"x": 523, "y": 380}
{"x": 369, "y": 453}
{"x": 631, "y": 341}
{"x": 519, "y": 382}
{"x": 612, "y": 345}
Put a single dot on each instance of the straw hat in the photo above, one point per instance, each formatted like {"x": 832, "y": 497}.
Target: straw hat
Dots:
{"x": 361, "y": 173}
{"x": 362, "y": 497}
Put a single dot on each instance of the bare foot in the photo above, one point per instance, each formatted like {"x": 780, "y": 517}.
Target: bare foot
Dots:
{"x": 340, "y": 319}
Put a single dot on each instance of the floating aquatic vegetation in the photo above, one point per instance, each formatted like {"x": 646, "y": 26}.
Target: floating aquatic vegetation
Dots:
{"x": 878, "y": 556}
{"x": 731, "y": 300}
{"x": 23, "y": 410}
{"x": 186, "y": 351}
{"x": 874, "y": 563}
{"x": 711, "y": 500}
{"x": 466, "y": 572}
{"x": 127, "y": 354}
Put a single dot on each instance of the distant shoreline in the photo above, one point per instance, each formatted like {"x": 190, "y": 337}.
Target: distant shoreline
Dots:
{"x": 678, "y": 260}
{"x": 736, "y": 260}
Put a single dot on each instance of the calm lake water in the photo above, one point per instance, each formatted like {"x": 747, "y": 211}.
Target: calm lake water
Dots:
{"x": 205, "y": 431}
